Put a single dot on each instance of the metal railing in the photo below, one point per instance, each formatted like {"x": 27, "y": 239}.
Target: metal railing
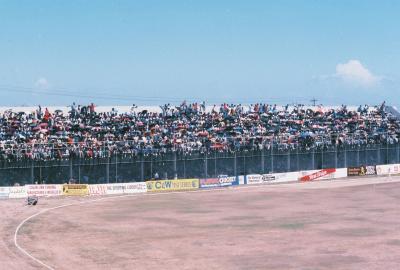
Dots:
{"x": 119, "y": 167}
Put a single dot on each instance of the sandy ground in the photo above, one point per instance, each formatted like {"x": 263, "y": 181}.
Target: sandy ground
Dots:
{"x": 343, "y": 224}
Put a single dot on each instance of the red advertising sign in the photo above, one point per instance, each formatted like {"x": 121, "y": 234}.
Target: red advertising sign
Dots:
{"x": 318, "y": 174}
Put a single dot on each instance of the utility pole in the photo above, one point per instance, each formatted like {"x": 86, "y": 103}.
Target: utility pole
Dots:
{"x": 314, "y": 101}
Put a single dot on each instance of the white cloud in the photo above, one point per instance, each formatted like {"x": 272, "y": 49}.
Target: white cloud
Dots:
{"x": 42, "y": 83}
{"x": 355, "y": 73}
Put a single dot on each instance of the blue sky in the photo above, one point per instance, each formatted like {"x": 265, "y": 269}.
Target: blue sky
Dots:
{"x": 151, "y": 52}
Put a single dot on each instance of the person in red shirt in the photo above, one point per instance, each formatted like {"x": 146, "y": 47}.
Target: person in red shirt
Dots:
{"x": 47, "y": 115}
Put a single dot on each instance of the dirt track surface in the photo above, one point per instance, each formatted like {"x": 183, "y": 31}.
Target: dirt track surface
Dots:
{"x": 321, "y": 225}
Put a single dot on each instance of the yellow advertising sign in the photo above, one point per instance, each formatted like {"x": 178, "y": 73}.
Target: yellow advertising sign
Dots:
{"x": 172, "y": 185}
{"x": 76, "y": 189}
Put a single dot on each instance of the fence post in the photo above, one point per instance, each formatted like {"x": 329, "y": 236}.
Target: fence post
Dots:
{"x": 142, "y": 168}
{"x": 116, "y": 168}
{"x": 206, "y": 165}
{"x": 262, "y": 161}
{"x": 297, "y": 158}
{"x": 322, "y": 157}
{"x": 365, "y": 155}
{"x": 288, "y": 161}
{"x": 32, "y": 172}
{"x": 313, "y": 158}
{"x": 397, "y": 153}
{"x": 378, "y": 155}
{"x": 108, "y": 170}
{"x": 336, "y": 154}
{"x": 79, "y": 171}
{"x": 71, "y": 174}
{"x": 151, "y": 167}
{"x": 244, "y": 164}
{"x": 387, "y": 153}
{"x": 272, "y": 158}
{"x": 175, "y": 167}
{"x": 234, "y": 165}
{"x": 40, "y": 175}
{"x": 184, "y": 166}
{"x": 345, "y": 157}
{"x": 358, "y": 155}
{"x": 215, "y": 164}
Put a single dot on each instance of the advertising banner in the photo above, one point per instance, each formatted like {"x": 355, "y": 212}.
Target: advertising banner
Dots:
{"x": 317, "y": 174}
{"x": 220, "y": 181}
{"x": 4, "y": 192}
{"x": 17, "y": 192}
{"x": 282, "y": 177}
{"x": 137, "y": 187}
{"x": 241, "y": 179}
{"x": 340, "y": 173}
{"x": 75, "y": 189}
{"x": 97, "y": 189}
{"x": 115, "y": 189}
{"x": 253, "y": 179}
{"x": 172, "y": 185}
{"x": 361, "y": 171}
{"x": 118, "y": 188}
{"x": 126, "y": 188}
{"x": 44, "y": 190}
{"x": 388, "y": 169}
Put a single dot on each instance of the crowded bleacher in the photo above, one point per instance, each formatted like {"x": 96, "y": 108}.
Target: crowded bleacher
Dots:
{"x": 85, "y": 133}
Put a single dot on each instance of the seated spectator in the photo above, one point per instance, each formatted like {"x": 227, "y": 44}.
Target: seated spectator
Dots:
{"x": 85, "y": 133}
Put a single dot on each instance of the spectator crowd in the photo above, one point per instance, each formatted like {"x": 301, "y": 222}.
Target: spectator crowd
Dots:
{"x": 83, "y": 132}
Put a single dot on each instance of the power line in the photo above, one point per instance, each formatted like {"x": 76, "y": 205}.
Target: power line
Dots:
{"x": 116, "y": 97}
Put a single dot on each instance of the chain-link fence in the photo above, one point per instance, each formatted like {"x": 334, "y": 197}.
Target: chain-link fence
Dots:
{"x": 128, "y": 168}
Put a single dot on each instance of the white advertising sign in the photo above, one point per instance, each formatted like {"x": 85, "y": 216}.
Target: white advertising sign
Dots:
{"x": 340, "y": 173}
{"x": 114, "y": 189}
{"x": 137, "y": 187}
{"x": 100, "y": 189}
{"x": 119, "y": 188}
{"x": 253, "y": 179}
{"x": 241, "y": 179}
{"x": 388, "y": 169}
{"x": 44, "y": 190}
{"x": 283, "y": 177}
{"x": 4, "y": 192}
{"x": 17, "y": 192}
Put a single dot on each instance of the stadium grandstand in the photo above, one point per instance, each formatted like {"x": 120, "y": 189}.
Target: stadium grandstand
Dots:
{"x": 273, "y": 138}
